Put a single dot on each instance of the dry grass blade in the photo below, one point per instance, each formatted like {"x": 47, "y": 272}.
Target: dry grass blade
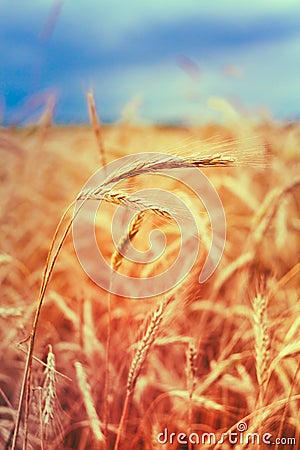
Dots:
{"x": 85, "y": 390}
{"x": 191, "y": 355}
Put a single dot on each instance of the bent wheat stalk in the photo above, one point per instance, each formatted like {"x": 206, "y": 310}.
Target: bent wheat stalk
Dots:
{"x": 25, "y": 388}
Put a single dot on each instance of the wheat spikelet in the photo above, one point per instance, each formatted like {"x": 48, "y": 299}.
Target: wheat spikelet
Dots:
{"x": 145, "y": 345}
{"x": 117, "y": 257}
{"x": 262, "y": 339}
{"x": 85, "y": 390}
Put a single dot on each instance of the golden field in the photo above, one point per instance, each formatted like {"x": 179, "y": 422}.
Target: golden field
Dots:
{"x": 106, "y": 372}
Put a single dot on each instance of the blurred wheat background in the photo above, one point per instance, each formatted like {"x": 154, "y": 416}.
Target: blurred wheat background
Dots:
{"x": 201, "y": 358}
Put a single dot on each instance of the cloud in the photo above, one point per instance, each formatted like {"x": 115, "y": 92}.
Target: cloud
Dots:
{"x": 134, "y": 48}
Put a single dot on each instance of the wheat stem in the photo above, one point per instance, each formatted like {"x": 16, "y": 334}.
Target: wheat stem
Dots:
{"x": 25, "y": 388}
{"x": 191, "y": 355}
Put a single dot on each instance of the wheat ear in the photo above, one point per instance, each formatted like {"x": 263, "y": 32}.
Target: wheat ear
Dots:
{"x": 48, "y": 391}
{"x": 85, "y": 390}
{"x": 229, "y": 158}
{"x": 116, "y": 261}
{"x": 262, "y": 342}
{"x": 135, "y": 225}
{"x": 143, "y": 349}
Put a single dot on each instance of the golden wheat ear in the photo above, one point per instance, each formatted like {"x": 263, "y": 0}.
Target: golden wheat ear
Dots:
{"x": 261, "y": 342}
{"x": 86, "y": 393}
{"x": 49, "y": 389}
{"x": 152, "y": 327}
{"x": 225, "y": 154}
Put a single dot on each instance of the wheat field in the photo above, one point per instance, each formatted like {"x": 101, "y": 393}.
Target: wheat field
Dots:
{"x": 95, "y": 370}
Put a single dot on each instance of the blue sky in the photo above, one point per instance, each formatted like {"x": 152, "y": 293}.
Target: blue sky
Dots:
{"x": 166, "y": 59}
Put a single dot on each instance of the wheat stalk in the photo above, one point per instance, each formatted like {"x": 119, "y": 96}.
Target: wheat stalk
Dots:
{"x": 191, "y": 355}
{"x": 26, "y": 382}
{"x": 96, "y": 127}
